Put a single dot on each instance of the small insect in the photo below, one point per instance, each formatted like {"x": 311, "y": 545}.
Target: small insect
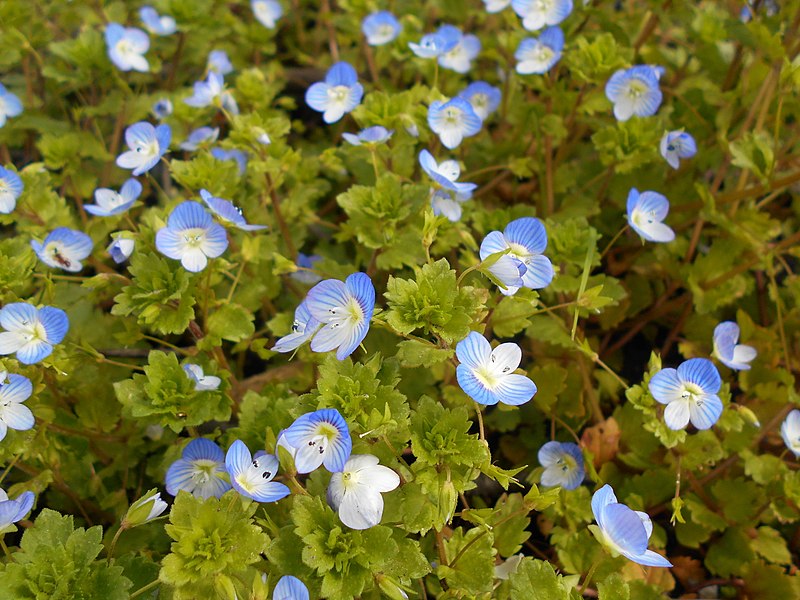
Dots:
{"x": 60, "y": 259}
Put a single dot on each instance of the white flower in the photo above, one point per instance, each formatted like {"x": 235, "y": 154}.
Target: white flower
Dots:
{"x": 356, "y": 491}
{"x": 202, "y": 382}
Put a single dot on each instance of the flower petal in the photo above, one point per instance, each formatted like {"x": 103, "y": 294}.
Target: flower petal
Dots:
{"x": 474, "y": 388}
{"x": 705, "y": 413}
{"x": 677, "y": 414}
{"x": 515, "y": 389}
{"x": 625, "y": 529}
{"x": 474, "y": 350}
{"x": 702, "y": 373}
{"x": 665, "y": 386}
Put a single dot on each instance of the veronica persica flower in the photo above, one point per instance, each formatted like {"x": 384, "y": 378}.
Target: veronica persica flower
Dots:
{"x": 267, "y": 12}
{"x": 13, "y": 511}
{"x": 191, "y": 236}
{"x": 483, "y": 97}
{"x": 14, "y": 390}
{"x": 121, "y": 248}
{"x": 460, "y": 57}
{"x": 635, "y": 91}
{"x": 646, "y": 211}
{"x": 339, "y": 94}
{"x": 10, "y": 106}
{"x": 690, "y": 393}
{"x": 200, "y": 471}
{"x": 212, "y": 92}
{"x": 434, "y": 45}
{"x": 202, "y": 382}
{"x": 155, "y": 23}
{"x": 303, "y": 328}
{"x": 536, "y": 14}
{"x": 447, "y": 204}
{"x": 126, "y": 47}
{"x": 676, "y": 145}
{"x": 202, "y": 136}
{"x": 228, "y": 212}
{"x": 526, "y": 240}
{"x": 63, "y": 248}
{"x": 487, "y": 376}
{"x": 145, "y": 509}
{"x": 380, "y": 28}
{"x": 790, "y": 432}
{"x": 624, "y": 531}
{"x": 10, "y": 190}
{"x": 355, "y": 492}
{"x": 539, "y": 55}
{"x": 162, "y": 109}
{"x": 452, "y": 121}
{"x": 218, "y": 61}
{"x": 319, "y": 438}
{"x": 495, "y": 6}
{"x": 727, "y": 349}
{"x": 563, "y": 465}
{"x": 31, "y": 332}
{"x": 290, "y": 588}
{"x": 251, "y": 476}
{"x": 445, "y": 174}
{"x": 370, "y": 136}
{"x": 147, "y": 145}
{"x": 232, "y": 154}
{"x": 305, "y": 274}
{"x": 110, "y": 202}
{"x": 344, "y": 309}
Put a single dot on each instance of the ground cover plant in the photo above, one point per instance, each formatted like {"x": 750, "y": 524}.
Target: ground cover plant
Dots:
{"x": 404, "y": 299}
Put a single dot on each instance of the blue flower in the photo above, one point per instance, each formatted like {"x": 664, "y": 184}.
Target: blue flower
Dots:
{"x": 200, "y": 471}
{"x": 14, "y": 390}
{"x": 319, "y": 438}
{"x": 635, "y": 91}
{"x": 218, "y": 61}
{"x": 162, "y": 109}
{"x": 31, "y": 332}
{"x": 730, "y": 353}
{"x": 539, "y": 55}
{"x": 690, "y": 393}
{"x": 147, "y": 145}
{"x": 624, "y": 531}
{"x": 563, "y": 465}
{"x": 10, "y": 106}
{"x": 483, "y": 97}
{"x": 646, "y": 211}
{"x": 63, "y": 248}
{"x": 344, "y": 309}
{"x": 191, "y": 236}
{"x": 212, "y": 92}
{"x": 304, "y": 274}
{"x": 445, "y": 174}
{"x": 355, "y": 492}
{"x": 228, "y": 212}
{"x": 126, "y": 47}
{"x": 10, "y": 190}
{"x": 232, "y": 154}
{"x": 527, "y": 240}
{"x": 156, "y": 24}
{"x": 339, "y": 94}
{"x": 202, "y": 136}
{"x": 495, "y": 6}
{"x": 369, "y": 136}
{"x": 120, "y": 248}
{"x": 536, "y": 14}
{"x": 303, "y": 328}
{"x": 290, "y": 588}
{"x": 12, "y": 511}
{"x": 111, "y": 203}
{"x": 267, "y": 12}
{"x": 676, "y": 145}
{"x": 790, "y": 432}
{"x": 251, "y": 476}
{"x": 452, "y": 121}
{"x": 380, "y": 28}
{"x": 487, "y": 376}
{"x": 459, "y": 58}
{"x": 447, "y": 204}
{"x": 202, "y": 382}
{"x": 434, "y": 45}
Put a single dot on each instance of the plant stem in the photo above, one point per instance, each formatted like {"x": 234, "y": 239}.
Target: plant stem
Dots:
{"x": 146, "y": 588}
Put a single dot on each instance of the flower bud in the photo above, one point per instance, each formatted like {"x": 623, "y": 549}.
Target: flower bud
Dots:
{"x": 147, "y": 508}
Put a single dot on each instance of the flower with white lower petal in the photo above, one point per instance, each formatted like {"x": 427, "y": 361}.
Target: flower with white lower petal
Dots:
{"x": 147, "y": 145}
{"x": 483, "y": 97}
{"x": 31, "y": 332}
{"x": 212, "y": 92}
{"x": 126, "y": 47}
{"x": 690, "y": 393}
{"x": 563, "y": 465}
{"x": 380, "y": 28}
{"x": 162, "y": 109}
{"x": 14, "y": 390}
{"x": 635, "y": 91}
{"x": 727, "y": 349}
{"x": 202, "y": 136}
{"x": 218, "y": 61}
{"x": 303, "y": 329}
{"x": 305, "y": 269}
{"x": 371, "y": 136}
{"x": 676, "y": 145}
{"x": 110, "y": 202}
{"x": 319, "y": 438}
{"x": 355, "y": 492}
{"x": 539, "y": 55}
{"x": 13, "y": 511}
{"x": 487, "y": 376}
{"x": 622, "y": 530}
{"x": 338, "y": 95}
{"x": 252, "y": 476}
{"x": 228, "y": 212}
{"x": 646, "y": 213}
{"x": 445, "y": 174}
{"x": 267, "y": 12}
{"x": 200, "y": 471}
{"x": 121, "y": 247}
{"x": 290, "y": 588}
{"x": 495, "y": 6}
{"x": 460, "y": 57}
{"x": 536, "y": 14}
{"x": 11, "y": 187}
{"x": 526, "y": 240}
{"x": 790, "y": 432}
{"x": 344, "y": 309}
{"x": 446, "y": 204}
{"x": 202, "y": 382}
{"x": 191, "y": 236}
{"x": 10, "y": 105}
{"x": 63, "y": 248}
{"x": 434, "y": 45}
{"x": 453, "y": 120}
{"x": 155, "y": 23}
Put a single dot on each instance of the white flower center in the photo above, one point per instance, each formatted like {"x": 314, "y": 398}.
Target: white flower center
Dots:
{"x": 55, "y": 250}
{"x": 204, "y": 471}
{"x": 452, "y": 116}
{"x": 636, "y": 88}
{"x": 350, "y": 314}
{"x": 692, "y": 393}
{"x": 338, "y": 94}
{"x": 641, "y": 217}
{"x": 32, "y": 331}
{"x": 194, "y": 238}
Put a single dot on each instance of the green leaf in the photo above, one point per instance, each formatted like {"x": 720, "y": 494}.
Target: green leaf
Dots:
{"x": 414, "y": 353}
{"x": 470, "y": 557}
{"x": 231, "y": 322}
{"x": 537, "y": 580}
